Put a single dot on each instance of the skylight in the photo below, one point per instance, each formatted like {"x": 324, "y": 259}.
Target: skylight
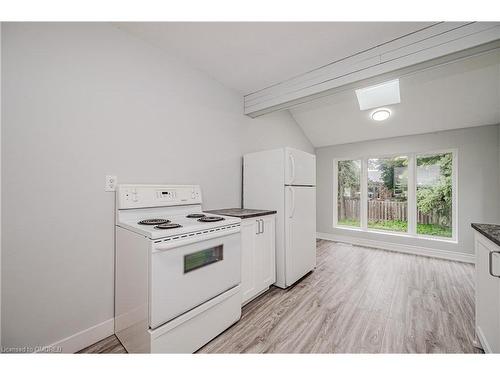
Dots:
{"x": 379, "y": 95}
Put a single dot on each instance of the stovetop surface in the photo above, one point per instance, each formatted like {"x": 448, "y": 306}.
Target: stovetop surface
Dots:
{"x": 130, "y": 221}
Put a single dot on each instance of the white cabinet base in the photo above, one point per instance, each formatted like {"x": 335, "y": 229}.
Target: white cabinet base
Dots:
{"x": 482, "y": 342}
{"x": 258, "y": 256}
{"x": 487, "y": 294}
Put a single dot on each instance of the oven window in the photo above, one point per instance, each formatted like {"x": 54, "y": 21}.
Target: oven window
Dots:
{"x": 202, "y": 258}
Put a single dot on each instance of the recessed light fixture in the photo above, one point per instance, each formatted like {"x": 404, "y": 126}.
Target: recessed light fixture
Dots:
{"x": 381, "y": 114}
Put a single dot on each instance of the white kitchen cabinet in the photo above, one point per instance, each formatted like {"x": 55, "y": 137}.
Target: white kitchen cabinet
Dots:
{"x": 258, "y": 263}
{"x": 487, "y": 293}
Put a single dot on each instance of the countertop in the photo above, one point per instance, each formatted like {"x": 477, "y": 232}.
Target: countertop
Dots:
{"x": 242, "y": 213}
{"x": 490, "y": 231}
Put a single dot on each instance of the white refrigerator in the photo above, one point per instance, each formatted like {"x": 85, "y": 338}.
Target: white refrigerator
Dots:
{"x": 285, "y": 180}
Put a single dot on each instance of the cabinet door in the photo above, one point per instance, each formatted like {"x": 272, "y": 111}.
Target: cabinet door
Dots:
{"x": 249, "y": 229}
{"x": 487, "y": 295}
{"x": 266, "y": 253}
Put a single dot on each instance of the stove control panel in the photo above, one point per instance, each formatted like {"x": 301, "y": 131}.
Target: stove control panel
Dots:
{"x": 166, "y": 195}
{"x": 142, "y": 196}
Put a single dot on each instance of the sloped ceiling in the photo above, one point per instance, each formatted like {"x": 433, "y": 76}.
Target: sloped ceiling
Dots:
{"x": 249, "y": 56}
{"x": 462, "y": 94}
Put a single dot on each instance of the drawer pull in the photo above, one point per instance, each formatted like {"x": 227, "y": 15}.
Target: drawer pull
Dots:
{"x": 491, "y": 263}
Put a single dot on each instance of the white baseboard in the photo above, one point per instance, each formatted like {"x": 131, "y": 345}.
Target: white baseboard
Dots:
{"x": 82, "y": 339}
{"x": 401, "y": 248}
{"x": 482, "y": 340}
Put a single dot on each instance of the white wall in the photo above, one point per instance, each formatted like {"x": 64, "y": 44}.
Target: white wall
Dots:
{"x": 0, "y": 184}
{"x": 81, "y": 101}
{"x": 478, "y": 180}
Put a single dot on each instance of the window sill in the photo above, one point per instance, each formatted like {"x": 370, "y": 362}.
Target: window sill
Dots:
{"x": 396, "y": 234}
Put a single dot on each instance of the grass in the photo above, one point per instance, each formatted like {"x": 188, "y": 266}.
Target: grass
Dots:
{"x": 401, "y": 226}
{"x": 349, "y": 223}
{"x": 394, "y": 225}
{"x": 434, "y": 230}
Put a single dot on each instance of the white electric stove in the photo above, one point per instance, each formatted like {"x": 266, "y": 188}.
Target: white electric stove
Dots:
{"x": 178, "y": 270}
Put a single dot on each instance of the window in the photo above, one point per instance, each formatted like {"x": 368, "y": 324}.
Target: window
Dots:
{"x": 203, "y": 258}
{"x": 388, "y": 193}
{"x": 435, "y": 194}
{"x": 412, "y": 194}
{"x": 349, "y": 192}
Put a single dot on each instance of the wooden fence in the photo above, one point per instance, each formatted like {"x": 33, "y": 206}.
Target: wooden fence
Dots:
{"x": 382, "y": 211}
{"x": 350, "y": 210}
{"x": 387, "y": 210}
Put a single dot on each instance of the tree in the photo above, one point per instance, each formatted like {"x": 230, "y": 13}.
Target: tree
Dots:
{"x": 348, "y": 178}
{"x": 437, "y": 198}
{"x": 388, "y": 166}
{"x": 349, "y": 171}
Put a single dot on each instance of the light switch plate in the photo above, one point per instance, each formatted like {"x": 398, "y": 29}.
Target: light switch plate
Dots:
{"x": 110, "y": 183}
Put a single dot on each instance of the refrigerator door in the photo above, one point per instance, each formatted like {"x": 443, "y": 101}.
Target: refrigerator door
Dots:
{"x": 300, "y": 167}
{"x": 300, "y": 232}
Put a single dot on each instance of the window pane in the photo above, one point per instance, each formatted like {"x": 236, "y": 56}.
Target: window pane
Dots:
{"x": 203, "y": 258}
{"x": 349, "y": 192}
{"x": 388, "y": 194}
{"x": 434, "y": 195}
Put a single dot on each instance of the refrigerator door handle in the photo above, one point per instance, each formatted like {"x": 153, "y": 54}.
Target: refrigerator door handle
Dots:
{"x": 292, "y": 163}
{"x": 292, "y": 195}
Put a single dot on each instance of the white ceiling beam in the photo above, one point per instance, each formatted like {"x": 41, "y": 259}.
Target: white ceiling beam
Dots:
{"x": 431, "y": 43}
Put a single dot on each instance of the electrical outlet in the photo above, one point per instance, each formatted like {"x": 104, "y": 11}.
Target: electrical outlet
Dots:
{"x": 110, "y": 184}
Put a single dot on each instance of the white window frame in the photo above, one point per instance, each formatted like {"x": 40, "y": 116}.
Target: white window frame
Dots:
{"x": 412, "y": 195}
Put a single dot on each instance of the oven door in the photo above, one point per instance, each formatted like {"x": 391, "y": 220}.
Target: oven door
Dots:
{"x": 185, "y": 276}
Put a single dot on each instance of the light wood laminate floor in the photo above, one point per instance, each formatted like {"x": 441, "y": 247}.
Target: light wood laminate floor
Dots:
{"x": 358, "y": 300}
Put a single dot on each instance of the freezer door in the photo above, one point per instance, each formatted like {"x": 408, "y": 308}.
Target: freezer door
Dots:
{"x": 300, "y": 232}
{"x": 300, "y": 167}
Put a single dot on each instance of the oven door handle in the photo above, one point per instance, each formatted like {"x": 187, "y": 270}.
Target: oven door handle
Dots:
{"x": 167, "y": 245}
